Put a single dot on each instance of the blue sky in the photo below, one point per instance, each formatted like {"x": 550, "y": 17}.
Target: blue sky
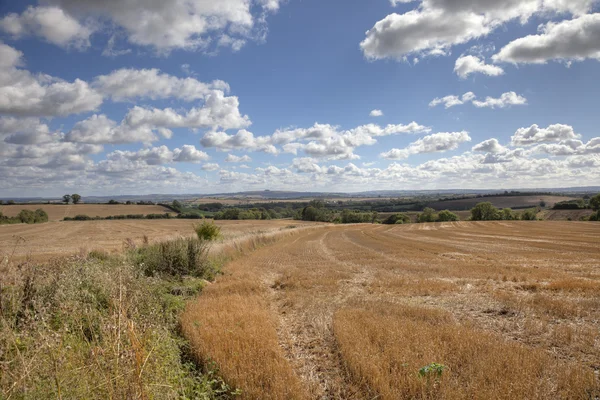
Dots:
{"x": 200, "y": 96}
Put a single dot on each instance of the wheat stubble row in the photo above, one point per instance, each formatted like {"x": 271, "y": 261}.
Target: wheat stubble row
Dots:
{"x": 510, "y": 309}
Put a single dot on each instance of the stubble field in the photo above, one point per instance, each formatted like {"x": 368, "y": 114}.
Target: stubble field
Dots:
{"x": 42, "y": 241}
{"x": 56, "y": 212}
{"x": 506, "y": 309}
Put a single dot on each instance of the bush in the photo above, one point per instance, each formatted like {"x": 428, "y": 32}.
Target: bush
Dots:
{"x": 428, "y": 215}
{"x": 176, "y": 258}
{"x": 529, "y": 215}
{"x": 40, "y": 216}
{"x": 27, "y": 216}
{"x": 446, "y": 216}
{"x": 355, "y": 217}
{"x": 397, "y": 219}
{"x": 485, "y": 212}
{"x": 207, "y": 231}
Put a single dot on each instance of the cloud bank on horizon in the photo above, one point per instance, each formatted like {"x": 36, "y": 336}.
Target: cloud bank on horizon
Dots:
{"x": 198, "y": 96}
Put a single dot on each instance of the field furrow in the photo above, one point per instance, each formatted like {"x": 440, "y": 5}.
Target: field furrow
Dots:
{"x": 354, "y": 311}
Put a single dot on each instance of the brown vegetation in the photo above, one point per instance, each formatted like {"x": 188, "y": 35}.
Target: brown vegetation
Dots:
{"x": 59, "y": 238}
{"x": 510, "y": 309}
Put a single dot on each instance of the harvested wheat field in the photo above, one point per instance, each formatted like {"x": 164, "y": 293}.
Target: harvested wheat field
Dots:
{"x": 43, "y": 241}
{"x": 506, "y": 310}
{"x": 57, "y": 212}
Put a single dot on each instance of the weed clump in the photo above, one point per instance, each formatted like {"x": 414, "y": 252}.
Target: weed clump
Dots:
{"x": 207, "y": 231}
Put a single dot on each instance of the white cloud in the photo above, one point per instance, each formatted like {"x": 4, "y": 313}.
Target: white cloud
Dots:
{"x": 178, "y": 24}
{"x": 489, "y": 146}
{"x": 505, "y": 100}
{"x": 435, "y": 143}
{"x": 467, "y": 65}
{"x": 437, "y": 25}
{"x": 569, "y": 40}
{"x": 128, "y": 84}
{"x": 23, "y": 94}
{"x": 237, "y": 159}
{"x": 160, "y": 155}
{"x": 447, "y": 101}
{"x": 218, "y": 111}
{"x": 242, "y": 140}
{"x": 99, "y": 129}
{"x": 50, "y": 23}
{"x": 210, "y": 167}
{"x": 189, "y": 153}
{"x": 376, "y": 113}
{"x": 536, "y": 135}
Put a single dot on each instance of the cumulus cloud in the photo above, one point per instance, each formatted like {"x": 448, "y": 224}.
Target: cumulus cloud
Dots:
{"x": 320, "y": 140}
{"x": 160, "y": 155}
{"x": 489, "y": 146}
{"x": 505, "y": 100}
{"x": 23, "y": 94}
{"x": 536, "y": 135}
{"x": 437, "y": 25}
{"x": 569, "y": 40}
{"x": 128, "y": 84}
{"x": 178, "y": 24}
{"x": 435, "y": 143}
{"x": 376, "y": 113}
{"x": 49, "y": 23}
{"x": 210, "y": 167}
{"x": 218, "y": 111}
{"x": 242, "y": 140}
{"x": 232, "y": 158}
{"x": 99, "y": 129}
{"x": 467, "y": 65}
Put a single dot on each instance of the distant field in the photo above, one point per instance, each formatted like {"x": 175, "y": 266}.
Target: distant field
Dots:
{"x": 250, "y": 200}
{"x": 56, "y": 212}
{"x": 42, "y": 241}
{"x": 500, "y": 202}
{"x": 565, "y": 215}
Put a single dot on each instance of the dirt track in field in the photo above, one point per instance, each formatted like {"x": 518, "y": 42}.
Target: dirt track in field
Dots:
{"x": 532, "y": 283}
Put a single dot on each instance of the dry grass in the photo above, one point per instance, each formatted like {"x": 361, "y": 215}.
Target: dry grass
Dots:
{"x": 56, "y": 212}
{"x": 385, "y": 345}
{"x": 56, "y": 239}
{"x": 511, "y": 308}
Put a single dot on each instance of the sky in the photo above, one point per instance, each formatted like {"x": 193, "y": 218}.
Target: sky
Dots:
{"x": 200, "y": 96}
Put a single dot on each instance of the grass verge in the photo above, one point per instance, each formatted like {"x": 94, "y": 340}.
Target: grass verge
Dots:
{"x": 105, "y": 327}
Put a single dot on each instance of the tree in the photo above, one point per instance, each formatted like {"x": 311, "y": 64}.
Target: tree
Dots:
{"x": 66, "y": 198}
{"x": 484, "y": 211}
{"x": 446, "y": 215}
{"x": 595, "y": 202}
{"x": 428, "y": 215}
{"x": 10, "y": 202}
{"x": 507, "y": 214}
{"x": 397, "y": 219}
{"x": 76, "y": 198}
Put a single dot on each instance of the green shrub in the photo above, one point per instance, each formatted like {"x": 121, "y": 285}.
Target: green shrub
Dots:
{"x": 446, "y": 216}
{"x": 529, "y": 215}
{"x": 207, "y": 231}
{"x": 428, "y": 215}
{"x": 397, "y": 219}
{"x": 27, "y": 216}
{"x": 485, "y": 212}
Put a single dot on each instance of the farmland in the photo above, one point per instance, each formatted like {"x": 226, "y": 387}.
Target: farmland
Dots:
{"x": 57, "y": 212}
{"x": 357, "y": 311}
{"x": 499, "y": 201}
{"x": 64, "y": 238}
